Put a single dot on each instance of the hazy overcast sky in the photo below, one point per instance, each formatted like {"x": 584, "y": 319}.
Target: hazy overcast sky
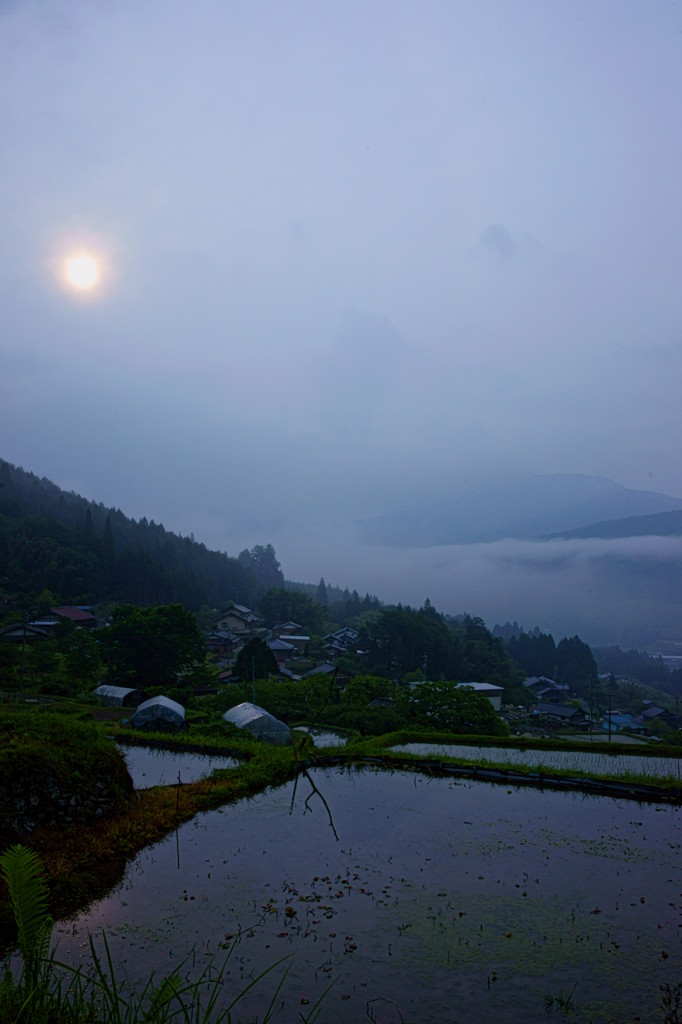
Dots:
{"x": 354, "y": 255}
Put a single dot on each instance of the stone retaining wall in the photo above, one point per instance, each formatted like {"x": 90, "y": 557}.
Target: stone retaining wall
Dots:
{"x": 29, "y": 806}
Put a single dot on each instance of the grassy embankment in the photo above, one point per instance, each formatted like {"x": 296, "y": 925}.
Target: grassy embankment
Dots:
{"x": 39, "y": 745}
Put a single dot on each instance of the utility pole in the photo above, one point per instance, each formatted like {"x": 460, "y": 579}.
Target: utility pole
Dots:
{"x": 253, "y": 676}
{"x": 23, "y": 652}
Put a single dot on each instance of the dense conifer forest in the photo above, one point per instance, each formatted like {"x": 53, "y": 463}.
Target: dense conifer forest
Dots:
{"x": 84, "y": 553}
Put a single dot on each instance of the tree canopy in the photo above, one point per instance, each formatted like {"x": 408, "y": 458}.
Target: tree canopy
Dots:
{"x": 452, "y": 708}
{"x": 280, "y": 605}
{"x": 255, "y": 660}
{"x": 262, "y": 561}
{"x": 400, "y": 640}
{"x": 153, "y": 646}
{"x": 85, "y": 553}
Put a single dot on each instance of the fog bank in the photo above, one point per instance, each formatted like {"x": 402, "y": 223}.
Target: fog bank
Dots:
{"x": 623, "y": 591}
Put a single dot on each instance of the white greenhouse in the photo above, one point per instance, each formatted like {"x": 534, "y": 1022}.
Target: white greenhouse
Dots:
{"x": 159, "y": 713}
{"x": 119, "y": 696}
{"x": 259, "y": 723}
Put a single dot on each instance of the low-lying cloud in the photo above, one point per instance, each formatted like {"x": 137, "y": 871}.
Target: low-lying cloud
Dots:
{"x": 625, "y": 590}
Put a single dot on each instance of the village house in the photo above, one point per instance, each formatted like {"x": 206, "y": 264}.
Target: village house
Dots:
{"x": 79, "y": 616}
{"x": 286, "y": 629}
{"x": 561, "y": 714}
{"x": 24, "y": 632}
{"x": 282, "y": 650}
{"x": 618, "y": 721}
{"x": 239, "y": 619}
{"x": 341, "y": 641}
{"x": 220, "y": 642}
{"x": 544, "y": 687}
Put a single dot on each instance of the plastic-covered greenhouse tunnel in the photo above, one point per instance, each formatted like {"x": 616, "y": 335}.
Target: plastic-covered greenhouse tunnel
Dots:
{"x": 259, "y": 723}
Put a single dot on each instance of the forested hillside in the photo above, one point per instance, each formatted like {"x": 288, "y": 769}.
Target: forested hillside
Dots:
{"x": 82, "y": 552}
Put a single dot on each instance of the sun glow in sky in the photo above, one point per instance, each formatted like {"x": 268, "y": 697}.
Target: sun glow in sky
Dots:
{"x": 476, "y": 237}
{"x": 83, "y": 271}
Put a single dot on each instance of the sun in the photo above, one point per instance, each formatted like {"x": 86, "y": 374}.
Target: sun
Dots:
{"x": 82, "y": 271}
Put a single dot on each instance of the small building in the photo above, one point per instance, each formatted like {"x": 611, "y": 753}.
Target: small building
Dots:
{"x": 220, "y": 641}
{"x": 298, "y": 640}
{"x": 259, "y": 723}
{"x": 544, "y": 687}
{"x": 159, "y": 714}
{"x": 281, "y": 649}
{"x": 119, "y": 696}
{"x": 79, "y": 616}
{"x": 566, "y": 714}
{"x": 657, "y": 714}
{"x": 24, "y": 633}
{"x": 489, "y": 690}
{"x": 323, "y": 669}
{"x": 239, "y": 619}
{"x": 286, "y": 629}
{"x": 341, "y": 641}
{"x": 620, "y": 721}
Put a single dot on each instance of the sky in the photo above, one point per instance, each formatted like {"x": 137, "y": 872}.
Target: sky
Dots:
{"x": 351, "y": 256}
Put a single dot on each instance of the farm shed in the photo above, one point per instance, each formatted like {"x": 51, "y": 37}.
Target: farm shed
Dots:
{"x": 159, "y": 713}
{"x": 119, "y": 696}
{"x": 489, "y": 690}
{"x": 259, "y": 723}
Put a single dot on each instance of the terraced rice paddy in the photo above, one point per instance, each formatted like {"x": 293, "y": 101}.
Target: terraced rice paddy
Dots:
{"x": 440, "y": 900}
{"x": 594, "y": 764}
{"x": 149, "y": 766}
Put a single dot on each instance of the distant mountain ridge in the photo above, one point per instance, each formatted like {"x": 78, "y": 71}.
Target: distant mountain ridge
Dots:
{"x": 662, "y": 524}
{"x": 526, "y": 508}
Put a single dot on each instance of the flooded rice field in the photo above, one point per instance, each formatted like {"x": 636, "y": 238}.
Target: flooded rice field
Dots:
{"x": 565, "y": 760}
{"x": 419, "y": 900}
{"x": 149, "y": 766}
{"x": 326, "y": 737}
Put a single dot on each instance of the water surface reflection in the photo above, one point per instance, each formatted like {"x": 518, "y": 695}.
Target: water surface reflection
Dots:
{"x": 149, "y": 766}
{"x": 441, "y": 900}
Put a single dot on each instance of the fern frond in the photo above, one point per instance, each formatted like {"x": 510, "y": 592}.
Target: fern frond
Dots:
{"x": 28, "y": 893}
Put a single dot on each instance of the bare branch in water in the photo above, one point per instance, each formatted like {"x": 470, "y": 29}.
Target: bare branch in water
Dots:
{"x": 315, "y": 790}
{"x": 293, "y": 795}
{"x": 302, "y": 770}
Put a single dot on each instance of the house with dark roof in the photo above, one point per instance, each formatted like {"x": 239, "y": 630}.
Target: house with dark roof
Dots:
{"x": 286, "y": 629}
{"x": 220, "y": 641}
{"x": 239, "y": 619}
{"x": 341, "y": 641}
{"x": 282, "y": 650}
{"x": 21, "y": 632}
{"x": 563, "y": 714}
{"x": 298, "y": 640}
{"x": 657, "y": 714}
{"x": 324, "y": 669}
{"x": 543, "y": 686}
{"x": 79, "y": 616}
